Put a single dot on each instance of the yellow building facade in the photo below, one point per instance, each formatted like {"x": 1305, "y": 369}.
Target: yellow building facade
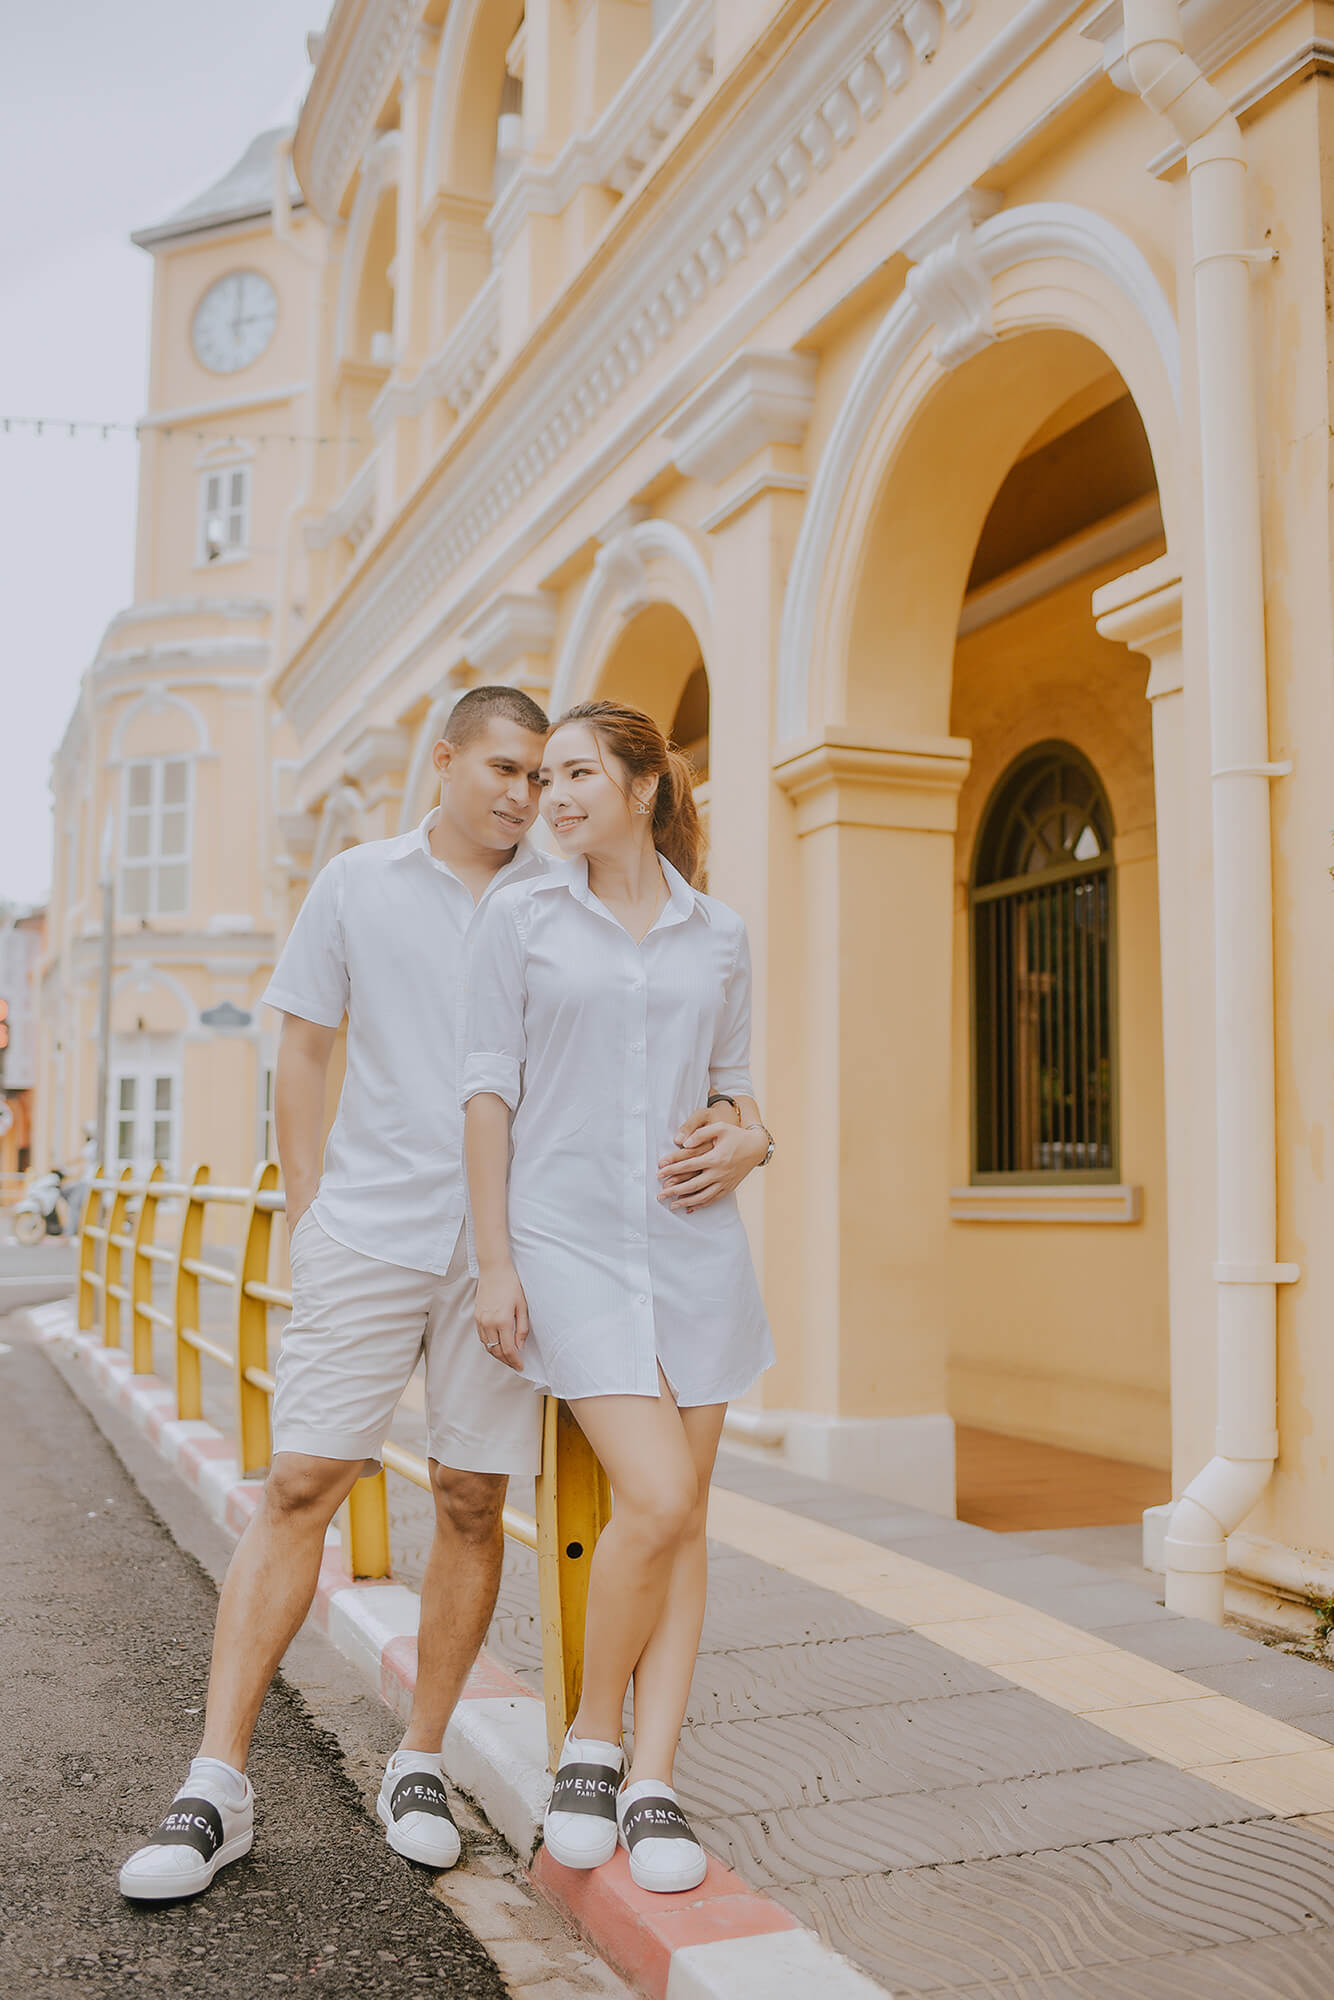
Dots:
{"x": 920, "y": 406}
{"x": 172, "y": 770}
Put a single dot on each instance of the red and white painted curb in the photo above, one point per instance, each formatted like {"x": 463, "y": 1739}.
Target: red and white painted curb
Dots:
{"x": 722, "y": 1941}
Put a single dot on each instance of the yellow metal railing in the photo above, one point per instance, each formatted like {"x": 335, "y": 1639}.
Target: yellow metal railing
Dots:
{"x": 573, "y": 1500}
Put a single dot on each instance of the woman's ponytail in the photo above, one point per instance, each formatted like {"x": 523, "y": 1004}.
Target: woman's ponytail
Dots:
{"x": 637, "y": 741}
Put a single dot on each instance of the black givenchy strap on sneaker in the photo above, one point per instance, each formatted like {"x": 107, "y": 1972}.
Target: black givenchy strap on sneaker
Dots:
{"x": 193, "y": 1823}
{"x": 655, "y": 1819}
{"x": 420, "y": 1791}
{"x": 586, "y": 1788}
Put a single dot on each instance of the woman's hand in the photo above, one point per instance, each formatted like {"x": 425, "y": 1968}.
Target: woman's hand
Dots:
{"x": 712, "y": 1160}
{"x": 502, "y": 1314}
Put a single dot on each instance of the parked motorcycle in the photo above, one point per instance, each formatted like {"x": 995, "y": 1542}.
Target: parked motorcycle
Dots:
{"x": 44, "y": 1210}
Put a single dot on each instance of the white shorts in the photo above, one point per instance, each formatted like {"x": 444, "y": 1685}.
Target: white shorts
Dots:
{"x": 357, "y": 1330}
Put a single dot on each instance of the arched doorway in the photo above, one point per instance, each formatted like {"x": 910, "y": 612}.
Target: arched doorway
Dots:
{"x": 1059, "y": 1359}
{"x": 656, "y": 664}
{"x": 938, "y": 628}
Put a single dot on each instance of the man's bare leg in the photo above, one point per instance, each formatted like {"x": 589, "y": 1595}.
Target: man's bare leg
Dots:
{"x": 458, "y": 1595}
{"x": 269, "y": 1587}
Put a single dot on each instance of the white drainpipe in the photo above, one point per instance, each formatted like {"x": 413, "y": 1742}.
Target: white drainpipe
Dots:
{"x": 1247, "y": 1273}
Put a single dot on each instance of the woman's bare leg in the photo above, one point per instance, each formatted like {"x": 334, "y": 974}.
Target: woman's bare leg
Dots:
{"x": 643, "y": 1445}
{"x": 665, "y": 1667}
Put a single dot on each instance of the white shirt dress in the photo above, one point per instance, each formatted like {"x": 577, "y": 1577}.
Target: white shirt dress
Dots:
{"x": 601, "y": 1048}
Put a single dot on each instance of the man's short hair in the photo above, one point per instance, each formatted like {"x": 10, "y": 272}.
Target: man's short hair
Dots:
{"x": 473, "y": 710}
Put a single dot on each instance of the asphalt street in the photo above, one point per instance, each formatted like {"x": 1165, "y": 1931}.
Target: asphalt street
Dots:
{"x": 29, "y": 1275}
{"x": 105, "y": 1626}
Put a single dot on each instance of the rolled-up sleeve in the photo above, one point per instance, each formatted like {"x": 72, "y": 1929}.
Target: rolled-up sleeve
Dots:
{"x": 310, "y": 979}
{"x": 729, "y": 1062}
{"x": 491, "y": 1030}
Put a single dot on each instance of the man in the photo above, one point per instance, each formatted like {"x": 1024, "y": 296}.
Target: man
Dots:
{"x": 379, "y": 1276}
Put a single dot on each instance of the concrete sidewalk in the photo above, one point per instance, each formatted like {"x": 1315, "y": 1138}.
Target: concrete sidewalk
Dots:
{"x": 974, "y": 1767}
{"x": 979, "y": 1768}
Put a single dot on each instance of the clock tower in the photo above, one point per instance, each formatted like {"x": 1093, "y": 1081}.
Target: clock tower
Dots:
{"x": 174, "y": 754}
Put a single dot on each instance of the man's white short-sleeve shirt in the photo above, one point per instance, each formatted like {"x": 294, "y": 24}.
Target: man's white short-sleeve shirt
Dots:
{"x": 380, "y": 938}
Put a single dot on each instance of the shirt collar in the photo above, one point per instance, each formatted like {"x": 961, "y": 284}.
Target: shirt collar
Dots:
{"x": 682, "y": 900}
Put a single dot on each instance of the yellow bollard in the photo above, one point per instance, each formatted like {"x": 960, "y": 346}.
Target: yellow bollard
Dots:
{"x": 573, "y": 1507}
{"x": 253, "y": 1435}
{"x": 115, "y": 1257}
{"x": 141, "y": 1280}
{"x": 189, "y": 1368}
{"x": 92, "y": 1217}
{"x": 364, "y": 1523}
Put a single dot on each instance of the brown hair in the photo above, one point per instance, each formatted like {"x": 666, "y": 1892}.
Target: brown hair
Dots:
{"x": 645, "y": 752}
{"x": 473, "y": 710}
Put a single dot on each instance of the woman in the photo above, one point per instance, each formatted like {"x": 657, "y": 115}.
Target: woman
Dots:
{"x": 598, "y": 999}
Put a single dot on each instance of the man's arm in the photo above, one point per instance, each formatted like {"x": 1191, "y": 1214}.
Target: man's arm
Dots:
{"x": 717, "y": 1149}
{"x": 304, "y": 1049}
{"x": 501, "y": 1309}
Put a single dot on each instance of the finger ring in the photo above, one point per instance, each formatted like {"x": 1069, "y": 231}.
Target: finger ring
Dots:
{"x": 491, "y": 1346}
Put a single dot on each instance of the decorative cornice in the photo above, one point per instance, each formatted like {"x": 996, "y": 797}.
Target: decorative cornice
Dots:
{"x": 840, "y": 778}
{"x": 223, "y": 406}
{"x": 819, "y": 103}
{"x": 632, "y": 131}
{"x": 1142, "y": 610}
{"x": 377, "y": 753}
{"x": 947, "y": 279}
{"x": 767, "y": 480}
{"x": 136, "y": 659}
{"x": 251, "y": 610}
{"x": 759, "y": 398}
{"x": 363, "y": 67}
{"x": 515, "y": 626}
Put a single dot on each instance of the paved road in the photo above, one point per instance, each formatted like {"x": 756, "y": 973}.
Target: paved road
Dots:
{"x": 104, "y": 1631}
{"x": 29, "y": 1276}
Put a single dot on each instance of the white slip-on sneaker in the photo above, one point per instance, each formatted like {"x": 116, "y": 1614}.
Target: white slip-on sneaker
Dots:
{"x": 201, "y": 1834}
{"x": 414, "y": 1807}
{"x": 579, "y": 1830}
{"x": 664, "y": 1854}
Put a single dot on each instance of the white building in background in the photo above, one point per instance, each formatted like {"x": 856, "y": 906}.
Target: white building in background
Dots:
{"x": 173, "y": 748}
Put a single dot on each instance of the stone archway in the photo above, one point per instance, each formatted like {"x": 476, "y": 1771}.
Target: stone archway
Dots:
{"x": 946, "y": 398}
{"x": 650, "y": 565}
{"x": 1049, "y": 269}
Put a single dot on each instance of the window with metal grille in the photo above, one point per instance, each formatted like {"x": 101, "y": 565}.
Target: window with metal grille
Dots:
{"x": 1043, "y": 917}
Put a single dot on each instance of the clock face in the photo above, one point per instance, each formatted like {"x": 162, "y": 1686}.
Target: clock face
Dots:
{"x": 234, "y": 321}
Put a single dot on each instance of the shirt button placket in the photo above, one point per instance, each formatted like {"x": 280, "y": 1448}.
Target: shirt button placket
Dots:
{"x": 636, "y": 1186}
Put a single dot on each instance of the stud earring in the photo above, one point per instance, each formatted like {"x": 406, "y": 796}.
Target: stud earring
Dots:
{"x": 643, "y": 809}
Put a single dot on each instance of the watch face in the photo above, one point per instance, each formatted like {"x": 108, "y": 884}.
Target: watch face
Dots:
{"x": 234, "y": 321}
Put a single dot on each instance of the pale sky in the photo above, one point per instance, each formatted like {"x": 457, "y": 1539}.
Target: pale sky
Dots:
{"x": 111, "y": 115}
